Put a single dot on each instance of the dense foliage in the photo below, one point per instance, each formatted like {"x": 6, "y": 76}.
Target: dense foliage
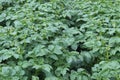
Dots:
{"x": 59, "y": 40}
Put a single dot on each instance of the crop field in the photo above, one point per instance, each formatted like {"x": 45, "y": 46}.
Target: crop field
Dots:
{"x": 59, "y": 39}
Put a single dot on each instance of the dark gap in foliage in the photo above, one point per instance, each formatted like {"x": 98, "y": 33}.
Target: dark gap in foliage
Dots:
{"x": 75, "y": 65}
{"x": 113, "y": 78}
{"x": 82, "y": 48}
{"x": 39, "y": 73}
{"x": 3, "y": 23}
{"x": 79, "y": 48}
{"x": 29, "y": 72}
{"x": 6, "y": 4}
{"x": 71, "y": 22}
{"x": 4, "y": 62}
{"x": 10, "y": 61}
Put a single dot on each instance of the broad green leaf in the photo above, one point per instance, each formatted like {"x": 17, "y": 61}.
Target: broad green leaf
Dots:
{"x": 47, "y": 67}
{"x": 57, "y": 50}
{"x": 35, "y": 78}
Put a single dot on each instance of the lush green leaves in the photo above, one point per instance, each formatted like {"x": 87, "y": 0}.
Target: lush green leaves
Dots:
{"x": 59, "y": 40}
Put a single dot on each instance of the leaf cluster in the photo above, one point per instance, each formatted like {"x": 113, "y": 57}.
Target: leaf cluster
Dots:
{"x": 59, "y": 40}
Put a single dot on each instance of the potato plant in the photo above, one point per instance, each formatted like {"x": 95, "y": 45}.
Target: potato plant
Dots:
{"x": 59, "y": 40}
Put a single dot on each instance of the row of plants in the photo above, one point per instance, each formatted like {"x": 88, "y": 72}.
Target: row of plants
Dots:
{"x": 59, "y": 40}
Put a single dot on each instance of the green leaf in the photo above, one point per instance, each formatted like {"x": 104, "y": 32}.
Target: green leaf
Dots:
{"x": 54, "y": 57}
{"x": 51, "y": 47}
{"x": 16, "y": 55}
{"x": 51, "y": 78}
{"x": 35, "y": 78}
{"x": 46, "y": 67}
{"x": 74, "y": 46}
{"x": 2, "y": 17}
{"x": 114, "y": 40}
{"x": 26, "y": 64}
{"x": 57, "y": 50}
